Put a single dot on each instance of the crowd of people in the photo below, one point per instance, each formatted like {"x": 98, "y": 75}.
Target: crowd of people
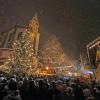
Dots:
{"x": 47, "y": 88}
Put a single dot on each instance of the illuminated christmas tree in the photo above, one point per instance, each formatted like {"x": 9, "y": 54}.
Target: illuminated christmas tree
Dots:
{"x": 21, "y": 59}
{"x": 53, "y": 52}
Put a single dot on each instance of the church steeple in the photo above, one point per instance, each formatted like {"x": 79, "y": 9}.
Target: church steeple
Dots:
{"x": 34, "y": 24}
{"x": 34, "y": 31}
{"x": 35, "y": 17}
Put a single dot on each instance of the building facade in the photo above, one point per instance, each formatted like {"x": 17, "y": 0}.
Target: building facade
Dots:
{"x": 7, "y": 39}
{"x": 93, "y": 51}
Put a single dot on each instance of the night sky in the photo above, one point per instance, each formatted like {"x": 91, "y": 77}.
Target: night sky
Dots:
{"x": 74, "y": 22}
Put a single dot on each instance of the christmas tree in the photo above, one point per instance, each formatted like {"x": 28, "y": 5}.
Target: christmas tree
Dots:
{"x": 21, "y": 59}
{"x": 53, "y": 52}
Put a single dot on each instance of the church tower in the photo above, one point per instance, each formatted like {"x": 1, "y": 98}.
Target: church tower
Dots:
{"x": 35, "y": 35}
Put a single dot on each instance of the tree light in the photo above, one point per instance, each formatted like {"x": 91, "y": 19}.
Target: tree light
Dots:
{"x": 47, "y": 68}
{"x": 30, "y": 66}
